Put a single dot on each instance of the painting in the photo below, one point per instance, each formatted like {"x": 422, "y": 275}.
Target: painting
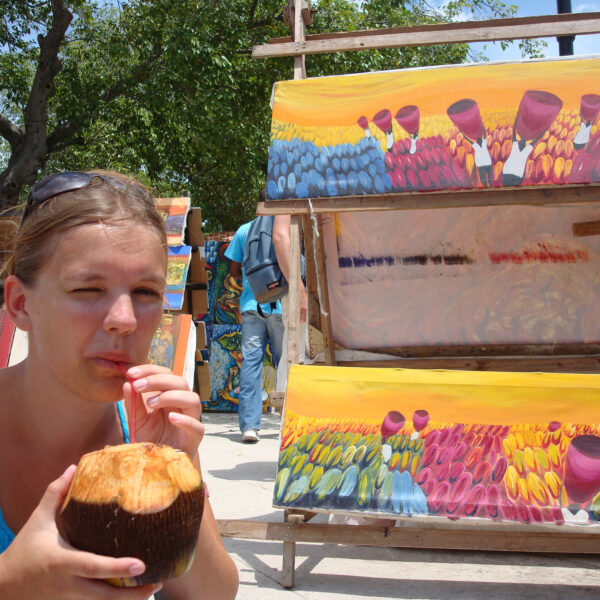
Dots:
{"x": 174, "y": 212}
{"x": 517, "y": 447}
{"x": 170, "y": 346}
{"x": 178, "y": 263}
{"x": 436, "y": 128}
{"x": 223, "y": 326}
{"x": 223, "y": 290}
{"x": 225, "y": 361}
{"x": 472, "y": 276}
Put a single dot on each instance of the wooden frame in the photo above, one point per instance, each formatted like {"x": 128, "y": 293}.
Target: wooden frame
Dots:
{"x": 306, "y": 216}
{"x": 428, "y": 35}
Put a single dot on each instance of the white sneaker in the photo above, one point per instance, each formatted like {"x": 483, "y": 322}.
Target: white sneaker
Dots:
{"x": 250, "y": 436}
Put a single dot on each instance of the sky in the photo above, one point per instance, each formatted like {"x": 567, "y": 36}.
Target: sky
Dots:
{"x": 583, "y": 44}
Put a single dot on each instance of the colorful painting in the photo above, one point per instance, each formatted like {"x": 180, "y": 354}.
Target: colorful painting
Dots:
{"x": 436, "y": 128}
{"x": 463, "y": 276}
{"x": 521, "y": 447}
{"x": 223, "y": 290}
{"x": 169, "y": 346}
{"x": 225, "y": 363}
{"x": 177, "y": 270}
{"x": 174, "y": 212}
{"x": 223, "y": 326}
{"x": 225, "y": 359}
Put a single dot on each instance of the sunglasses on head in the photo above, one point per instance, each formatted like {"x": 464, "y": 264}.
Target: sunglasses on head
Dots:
{"x": 71, "y": 181}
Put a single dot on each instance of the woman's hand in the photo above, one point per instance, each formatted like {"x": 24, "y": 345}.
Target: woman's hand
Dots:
{"x": 41, "y": 564}
{"x": 173, "y": 411}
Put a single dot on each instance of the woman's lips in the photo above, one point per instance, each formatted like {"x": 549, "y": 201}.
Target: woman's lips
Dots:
{"x": 113, "y": 364}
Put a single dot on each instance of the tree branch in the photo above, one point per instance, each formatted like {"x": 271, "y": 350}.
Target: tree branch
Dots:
{"x": 78, "y": 141}
{"x": 57, "y": 139}
{"x": 265, "y": 22}
{"x": 252, "y": 11}
{"x": 60, "y": 133}
{"x": 138, "y": 74}
{"x": 9, "y": 131}
{"x": 49, "y": 65}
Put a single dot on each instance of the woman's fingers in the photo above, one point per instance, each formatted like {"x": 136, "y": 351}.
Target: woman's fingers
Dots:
{"x": 96, "y": 566}
{"x": 185, "y": 401}
{"x": 55, "y": 492}
{"x": 191, "y": 425}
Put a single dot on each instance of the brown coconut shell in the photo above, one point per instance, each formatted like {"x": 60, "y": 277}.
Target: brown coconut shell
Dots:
{"x": 140, "y": 500}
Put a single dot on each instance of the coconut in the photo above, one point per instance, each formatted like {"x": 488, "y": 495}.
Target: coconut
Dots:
{"x": 140, "y": 500}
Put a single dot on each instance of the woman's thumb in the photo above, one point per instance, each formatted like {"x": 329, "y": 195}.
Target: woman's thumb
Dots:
{"x": 56, "y": 491}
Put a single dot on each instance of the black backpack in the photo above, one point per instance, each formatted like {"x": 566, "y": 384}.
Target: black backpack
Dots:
{"x": 266, "y": 280}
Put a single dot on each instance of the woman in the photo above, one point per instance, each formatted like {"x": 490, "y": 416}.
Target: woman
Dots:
{"x": 86, "y": 281}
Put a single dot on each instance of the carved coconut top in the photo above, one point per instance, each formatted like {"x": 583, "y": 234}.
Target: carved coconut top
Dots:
{"x": 140, "y": 477}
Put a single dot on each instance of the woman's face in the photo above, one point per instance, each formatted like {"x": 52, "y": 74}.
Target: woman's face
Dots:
{"x": 96, "y": 305}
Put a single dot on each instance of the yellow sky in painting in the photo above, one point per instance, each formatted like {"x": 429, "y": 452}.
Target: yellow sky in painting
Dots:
{"x": 340, "y": 100}
{"x": 449, "y": 396}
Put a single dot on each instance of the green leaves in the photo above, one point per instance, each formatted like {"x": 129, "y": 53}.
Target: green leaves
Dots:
{"x": 167, "y": 90}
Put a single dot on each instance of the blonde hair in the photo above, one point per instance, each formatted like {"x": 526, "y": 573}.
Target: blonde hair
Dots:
{"x": 97, "y": 202}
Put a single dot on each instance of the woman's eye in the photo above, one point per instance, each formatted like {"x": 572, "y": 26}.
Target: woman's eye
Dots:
{"x": 148, "y": 292}
{"x": 85, "y": 290}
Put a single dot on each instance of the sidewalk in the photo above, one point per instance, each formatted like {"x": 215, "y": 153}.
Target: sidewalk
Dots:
{"x": 241, "y": 477}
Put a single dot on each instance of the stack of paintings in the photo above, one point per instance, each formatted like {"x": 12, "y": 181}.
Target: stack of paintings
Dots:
{"x": 174, "y": 212}
{"x": 224, "y": 330}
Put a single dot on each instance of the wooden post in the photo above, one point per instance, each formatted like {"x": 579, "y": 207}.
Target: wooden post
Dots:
{"x": 300, "y": 11}
{"x": 293, "y": 349}
{"x": 297, "y": 15}
{"x": 313, "y": 310}
{"x": 438, "y": 33}
{"x": 324, "y": 296}
{"x": 299, "y": 37}
{"x": 289, "y": 550}
{"x": 293, "y": 346}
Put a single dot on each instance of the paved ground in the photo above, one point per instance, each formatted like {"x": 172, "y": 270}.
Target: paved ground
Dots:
{"x": 241, "y": 479}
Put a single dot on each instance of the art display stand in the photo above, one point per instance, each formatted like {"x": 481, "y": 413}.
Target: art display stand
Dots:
{"x": 306, "y": 226}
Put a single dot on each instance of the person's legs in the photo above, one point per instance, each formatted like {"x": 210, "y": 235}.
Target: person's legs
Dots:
{"x": 275, "y": 330}
{"x": 254, "y": 342}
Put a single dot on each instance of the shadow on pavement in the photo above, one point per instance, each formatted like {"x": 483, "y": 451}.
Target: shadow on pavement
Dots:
{"x": 315, "y": 571}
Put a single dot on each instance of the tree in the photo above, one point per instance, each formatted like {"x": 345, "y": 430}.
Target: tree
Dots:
{"x": 167, "y": 88}
{"x": 48, "y": 97}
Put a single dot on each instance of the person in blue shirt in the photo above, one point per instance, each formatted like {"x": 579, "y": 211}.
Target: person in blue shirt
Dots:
{"x": 257, "y": 331}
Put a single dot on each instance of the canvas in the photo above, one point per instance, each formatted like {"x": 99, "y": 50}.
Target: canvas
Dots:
{"x": 474, "y": 276}
{"x": 225, "y": 360}
{"x": 436, "y": 128}
{"x": 223, "y": 290}
{"x": 174, "y": 212}
{"x": 177, "y": 269}
{"x": 517, "y": 447}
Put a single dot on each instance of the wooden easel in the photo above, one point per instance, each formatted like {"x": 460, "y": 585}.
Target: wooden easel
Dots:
{"x": 306, "y": 221}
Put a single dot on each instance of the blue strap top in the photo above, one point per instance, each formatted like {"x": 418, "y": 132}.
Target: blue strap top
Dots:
{"x": 6, "y": 535}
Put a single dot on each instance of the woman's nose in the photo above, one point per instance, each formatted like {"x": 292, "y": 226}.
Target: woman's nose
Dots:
{"x": 121, "y": 315}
